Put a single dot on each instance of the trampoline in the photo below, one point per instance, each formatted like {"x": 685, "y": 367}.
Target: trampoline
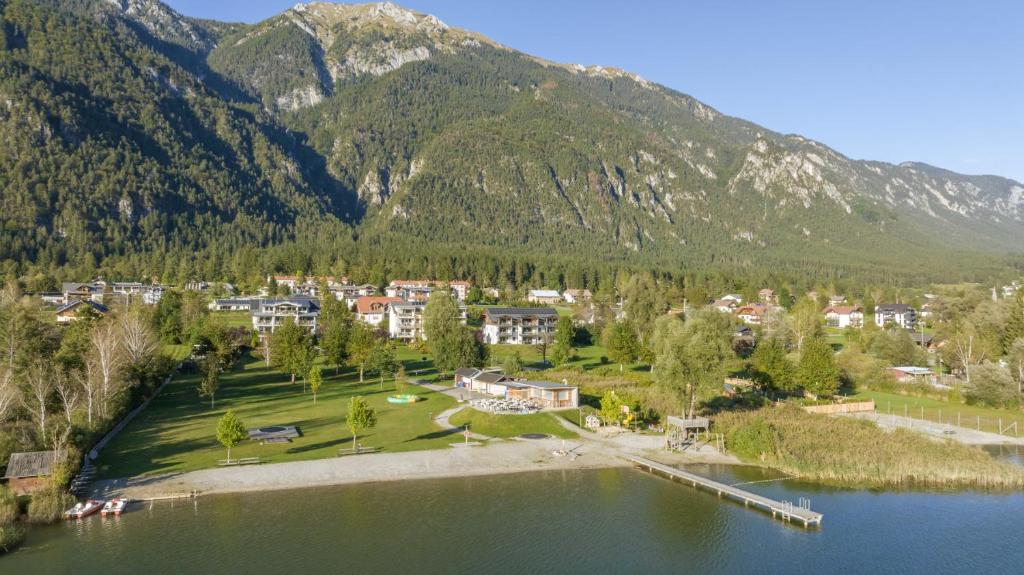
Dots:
{"x": 274, "y": 432}
{"x": 534, "y": 436}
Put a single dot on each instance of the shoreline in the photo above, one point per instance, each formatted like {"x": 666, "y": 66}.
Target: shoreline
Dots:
{"x": 499, "y": 458}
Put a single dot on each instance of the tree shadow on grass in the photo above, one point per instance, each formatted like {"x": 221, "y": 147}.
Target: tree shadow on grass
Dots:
{"x": 320, "y": 445}
{"x": 434, "y": 435}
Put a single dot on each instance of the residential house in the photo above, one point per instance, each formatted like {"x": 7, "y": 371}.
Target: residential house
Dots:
{"x": 270, "y": 314}
{"x": 70, "y": 311}
{"x": 577, "y": 295}
{"x": 519, "y": 325}
{"x": 752, "y": 314}
{"x": 1011, "y": 289}
{"x": 89, "y": 290}
{"x": 735, "y": 297}
{"x": 372, "y": 310}
{"x": 419, "y": 290}
{"x": 405, "y": 320}
{"x": 725, "y": 305}
{"x": 843, "y": 316}
{"x": 350, "y": 293}
{"x": 899, "y": 314}
{"x": 544, "y": 296}
{"x": 29, "y": 472}
{"x": 836, "y": 300}
{"x": 767, "y": 296}
{"x": 234, "y": 304}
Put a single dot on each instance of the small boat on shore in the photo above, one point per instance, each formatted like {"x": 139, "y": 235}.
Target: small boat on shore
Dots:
{"x": 114, "y": 506}
{"x": 84, "y": 509}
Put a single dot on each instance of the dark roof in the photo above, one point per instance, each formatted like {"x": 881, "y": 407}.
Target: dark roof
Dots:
{"x": 467, "y": 372}
{"x": 30, "y": 464}
{"x": 490, "y": 377}
{"x": 495, "y": 311}
{"x": 893, "y": 307}
{"x": 96, "y": 306}
{"x": 546, "y": 384}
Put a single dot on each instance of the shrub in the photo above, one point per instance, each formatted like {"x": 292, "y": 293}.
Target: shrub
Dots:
{"x": 48, "y": 505}
{"x": 753, "y": 441}
{"x": 8, "y": 506}
{"x": 10, "y": 537}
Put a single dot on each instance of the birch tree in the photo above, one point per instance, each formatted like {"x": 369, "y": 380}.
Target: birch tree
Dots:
{"x": 69, "y": 390}
{"x": 108, "y": 361}
{"x": 38, "y": 390}
{"x": 139, "y": 341}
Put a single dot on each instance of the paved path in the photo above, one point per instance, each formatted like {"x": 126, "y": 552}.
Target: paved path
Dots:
{"x": 442, "y": 420}
{"x": 934, "y": 429}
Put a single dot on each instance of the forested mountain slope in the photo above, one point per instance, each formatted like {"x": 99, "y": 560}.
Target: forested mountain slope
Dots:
{"x": 429, "y": 142}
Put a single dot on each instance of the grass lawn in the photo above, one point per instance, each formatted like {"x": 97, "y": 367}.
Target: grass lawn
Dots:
{"x": 574, "y": 416}
{"x": 234, "y": 318}
{"x": 177, "y": 432}
{"x": 177, "y": 351}
{"x": 970, "y": 415}
{"x": 510, "y": 425}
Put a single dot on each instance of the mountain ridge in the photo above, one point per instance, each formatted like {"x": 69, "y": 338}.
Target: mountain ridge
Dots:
{"x": 419, "y": 131}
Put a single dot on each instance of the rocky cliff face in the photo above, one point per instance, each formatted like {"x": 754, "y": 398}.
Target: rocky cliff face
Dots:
{"x": 443, "y": 134}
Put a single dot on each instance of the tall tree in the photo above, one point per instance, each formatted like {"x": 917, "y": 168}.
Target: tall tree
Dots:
{"x": 210, "y": 383}
{"x": 619, "y": 339}
{"x": 360, "y": 418}
{"x": 690, "y": 356}
{"x": 804, "y": 321}
{"x": 644, "y": 304}
{"x": 106, "y": 363}
{"x": 316, "y": 379}
{"x": 442, "y": 325}
{"x": 565, "y": 334}
{"x": 772, "y": 369}
{"x": 335, "y": 328}
{"x": 290, "y": 348}
{"x": 817, "y": 371}
{"x": 382, "y": 359}
{"x": 230, "y": 431}
{"x": 360, "y": 345}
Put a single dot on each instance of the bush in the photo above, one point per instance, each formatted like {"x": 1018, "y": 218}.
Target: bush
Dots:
{"x": 49, "y": 505}
{"x": 754, "y": 441}
{"x": 8, "y": 506}
{"x": 10, "y": 537}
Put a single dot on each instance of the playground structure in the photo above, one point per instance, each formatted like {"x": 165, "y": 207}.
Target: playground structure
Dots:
{"x": 683, "y": 433}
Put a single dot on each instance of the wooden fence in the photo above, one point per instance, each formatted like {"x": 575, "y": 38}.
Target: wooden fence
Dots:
{"x": 841, "y": 407}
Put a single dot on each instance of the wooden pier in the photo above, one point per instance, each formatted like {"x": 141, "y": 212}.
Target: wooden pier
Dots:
{"x": 784, "y": 510}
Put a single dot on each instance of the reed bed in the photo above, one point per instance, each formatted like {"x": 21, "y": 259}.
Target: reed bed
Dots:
{"x": 856, "y": 453}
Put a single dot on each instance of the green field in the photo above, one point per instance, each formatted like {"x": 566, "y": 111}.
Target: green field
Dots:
{"x": 510, "y": 425}
{"x": 970, "y": 416}
{"x": 177, "y": 431}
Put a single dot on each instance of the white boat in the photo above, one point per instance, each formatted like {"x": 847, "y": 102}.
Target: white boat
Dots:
{"x": 114, "y": 506}
{"x": 84, "y": 509}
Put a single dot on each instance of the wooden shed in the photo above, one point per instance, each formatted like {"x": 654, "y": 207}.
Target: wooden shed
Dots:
{"x": 28, "y": 472}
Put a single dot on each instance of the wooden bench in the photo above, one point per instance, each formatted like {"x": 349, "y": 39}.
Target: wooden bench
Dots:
{"x": 242, "y": 461}
{"x": 358, "y": 451}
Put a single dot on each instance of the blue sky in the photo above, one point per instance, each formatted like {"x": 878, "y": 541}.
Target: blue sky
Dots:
{"x": 933, "y": 81}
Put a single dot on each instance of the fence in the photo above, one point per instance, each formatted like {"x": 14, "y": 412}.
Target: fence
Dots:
{"x": 95, "y": 451}
{"x": 950, "y": 416}
{"x": 841, "y": 407}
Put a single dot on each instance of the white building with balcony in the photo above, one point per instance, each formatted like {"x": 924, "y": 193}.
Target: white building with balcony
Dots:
{"x": 519, "y": 325}
{"x": 405, "y": 320}
{"x": 271, "y": 314}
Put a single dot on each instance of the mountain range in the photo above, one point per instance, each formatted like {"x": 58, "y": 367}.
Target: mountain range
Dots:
{"x": 139, "y": 139}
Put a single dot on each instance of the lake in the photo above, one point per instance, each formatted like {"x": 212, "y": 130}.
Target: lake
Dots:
{"x": 600, "y": 521}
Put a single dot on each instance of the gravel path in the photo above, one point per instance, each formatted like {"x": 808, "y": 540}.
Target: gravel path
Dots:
{"x": 961, "y": 434}
{"x": 505, "y": 457}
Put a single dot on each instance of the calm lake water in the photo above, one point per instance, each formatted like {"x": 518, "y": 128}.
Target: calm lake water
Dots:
{"x": 604, "y": 521}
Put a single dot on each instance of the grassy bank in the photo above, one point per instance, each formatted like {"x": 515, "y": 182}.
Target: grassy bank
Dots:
{"x": 177, "y": 431}
{"x": 930, "y": 409}
{"x": 510, "y": 425}
{"x": 848, "y": 452}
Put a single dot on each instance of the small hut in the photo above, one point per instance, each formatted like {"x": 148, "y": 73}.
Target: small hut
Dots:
{"x": 28, "y": 472}
{"x": 681, "y": 433}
